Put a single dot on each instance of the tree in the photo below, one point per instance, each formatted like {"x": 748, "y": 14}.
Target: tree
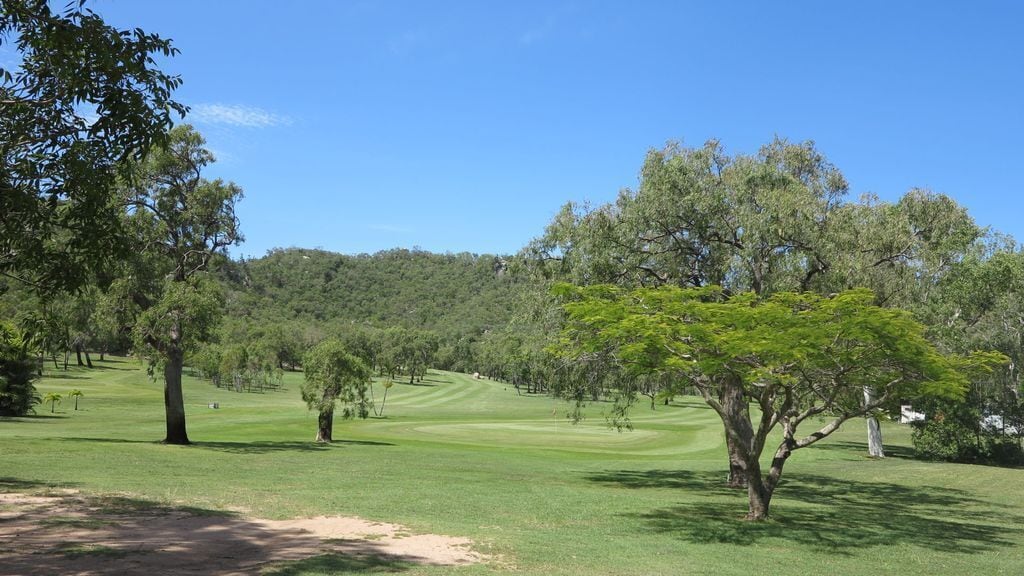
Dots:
{"x": 83, "y": 98}
{"x": 770, "y": 222}
{"x": 76, "y": 394}
{"x": 184, "y": 220}
{"x": 767, "y": 362}
{"x": 53, "y": 398}
{"x": 386, "y": 384}
{"x": 333, "y": 375}
{"x": 17, "y": 374}
{"x": 978, "y": 304}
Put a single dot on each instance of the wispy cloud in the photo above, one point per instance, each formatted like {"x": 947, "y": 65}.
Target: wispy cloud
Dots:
{"x": 237, "y": 115}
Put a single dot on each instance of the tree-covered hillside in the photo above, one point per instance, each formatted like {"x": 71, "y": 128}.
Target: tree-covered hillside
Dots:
{"x": 451, "y": 294}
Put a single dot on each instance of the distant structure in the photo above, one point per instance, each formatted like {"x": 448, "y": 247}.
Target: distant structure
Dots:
{"x": 907, "y": 414}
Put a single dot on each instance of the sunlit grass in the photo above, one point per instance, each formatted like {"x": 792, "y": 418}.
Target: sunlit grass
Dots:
{"x": 473, "y": 458}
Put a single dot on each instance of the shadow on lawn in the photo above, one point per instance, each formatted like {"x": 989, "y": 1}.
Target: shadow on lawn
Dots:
{"x": 47, "y": 416}
{"x": 11, "y": 484}
{"x": 343, "y": 564}
{"x": 254, "y": 447}
{"x": 138, "y": 537}
{"x": 821, "y": 512}
{"x": 861, "y": 449}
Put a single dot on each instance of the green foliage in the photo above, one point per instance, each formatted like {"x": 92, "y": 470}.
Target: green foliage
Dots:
{"x": 332, "y": 376}
{"x": 456, "y": 296}
{"x": 84, "y": 96}
{"x": 53, "y": 398}
{"x": 954, "y": 432}
{"x": 793, "y": 356}
{"x": 17, "y": 374}
{"x": 196, "y": 304}
{"x": 76, "y": 394}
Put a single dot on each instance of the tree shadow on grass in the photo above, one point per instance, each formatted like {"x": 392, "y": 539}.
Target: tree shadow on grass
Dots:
{"x": 11, "y": 484}
{"x": 263, "y": 447}
{"x": 824, "y": 513}
{"x": 342, "y": 564}
{"x": 138, "y": 537}
{"x": 861, "y": 449}
{"x": 47, "y": 416}
{"x": 64, "y": 376}
{"x": 254, "y": 447}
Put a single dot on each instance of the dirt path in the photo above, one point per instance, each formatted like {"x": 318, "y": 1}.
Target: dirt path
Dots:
{"x": 71, "y": 534}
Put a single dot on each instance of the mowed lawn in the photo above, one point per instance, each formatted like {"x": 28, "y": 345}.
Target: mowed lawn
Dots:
{"x": 472, "y": 458}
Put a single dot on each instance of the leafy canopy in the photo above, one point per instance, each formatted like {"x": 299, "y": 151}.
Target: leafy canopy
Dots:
{"x": 801, "y": 349}
{"x": 83, "y": 97}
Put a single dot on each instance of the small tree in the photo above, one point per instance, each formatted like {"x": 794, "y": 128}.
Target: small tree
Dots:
{"x": 334, "y": 375}
{"x": 387, "y": 384}
{"x": 76, "y": 394}
{"x": 53, "y": 398}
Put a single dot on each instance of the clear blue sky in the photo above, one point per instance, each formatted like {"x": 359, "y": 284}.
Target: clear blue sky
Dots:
{"x": 463, "y": 126}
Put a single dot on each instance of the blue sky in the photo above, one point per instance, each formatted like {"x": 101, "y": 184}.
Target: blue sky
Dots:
{"x": 464, "y": 126}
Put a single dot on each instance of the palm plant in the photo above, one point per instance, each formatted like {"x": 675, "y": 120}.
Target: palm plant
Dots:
{"x": 53, "y": 398}
{"x": 76, "y": 394}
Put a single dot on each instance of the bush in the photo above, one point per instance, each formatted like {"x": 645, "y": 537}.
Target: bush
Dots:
{"x": 957, "y": 436}
{"x": 17, "y": 372}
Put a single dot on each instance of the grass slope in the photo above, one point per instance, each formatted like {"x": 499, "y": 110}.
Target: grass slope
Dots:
{"x": 472, "y": 458}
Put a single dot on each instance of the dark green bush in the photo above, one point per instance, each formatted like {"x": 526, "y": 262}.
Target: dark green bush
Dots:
{"x": 17, "y": 372}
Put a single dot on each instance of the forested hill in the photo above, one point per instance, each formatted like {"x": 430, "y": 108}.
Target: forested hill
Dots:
{"x": 451, "y": 294}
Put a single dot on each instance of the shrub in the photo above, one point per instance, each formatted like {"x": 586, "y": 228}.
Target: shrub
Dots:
{"x": 17, "y": 372}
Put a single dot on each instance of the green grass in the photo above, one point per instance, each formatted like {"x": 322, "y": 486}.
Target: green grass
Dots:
{"x": 472, "y": 458}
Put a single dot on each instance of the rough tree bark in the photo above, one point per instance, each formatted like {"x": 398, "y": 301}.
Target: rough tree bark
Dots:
{"x": 325, "y": 426}
{"x": 174, "y": 401}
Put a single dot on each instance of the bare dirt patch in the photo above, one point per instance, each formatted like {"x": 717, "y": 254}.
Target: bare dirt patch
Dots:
{"x": 71, "y": 534}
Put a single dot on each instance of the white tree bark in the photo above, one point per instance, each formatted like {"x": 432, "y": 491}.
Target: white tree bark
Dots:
{"x": 875, "y": 449}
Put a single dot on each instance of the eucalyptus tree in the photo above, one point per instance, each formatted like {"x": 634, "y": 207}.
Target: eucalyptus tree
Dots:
{"x": 332, "y": 376}
{"x": 182, "y": 222}
{"x": 81, "y": 98}
{"x": 774, "y": 221}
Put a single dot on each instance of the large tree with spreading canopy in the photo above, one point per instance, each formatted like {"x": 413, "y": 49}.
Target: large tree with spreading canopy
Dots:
{"x": 764, "y": 363}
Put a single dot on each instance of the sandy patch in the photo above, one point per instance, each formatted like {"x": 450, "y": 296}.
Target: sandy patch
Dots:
{"x": 71, "y": 534}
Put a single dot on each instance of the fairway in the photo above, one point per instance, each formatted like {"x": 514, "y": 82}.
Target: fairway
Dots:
{"x": 536, "y": 494}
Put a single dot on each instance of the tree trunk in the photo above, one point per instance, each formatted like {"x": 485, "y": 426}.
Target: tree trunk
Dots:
{"x": 737, "y": 468}
{"x": 875, "y": 449}
{"x": 737, "y": 420}
{"x": 174, "y": 402}
{"x": 78, "y": 354}
{"x": 88, "y": 360}
{"x": 760, "y": 496}
{"x": 325, "y": 426}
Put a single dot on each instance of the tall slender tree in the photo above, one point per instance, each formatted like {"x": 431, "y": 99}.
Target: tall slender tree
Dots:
{"x": 182, "y": 221}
